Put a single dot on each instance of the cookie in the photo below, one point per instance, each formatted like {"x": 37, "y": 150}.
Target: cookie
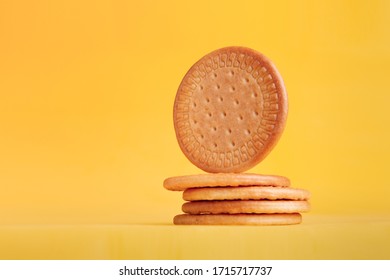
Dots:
{"x": 245, "y": 206}
{"x": 181, "y": 183}
{"x": 230, "y": 110}
{"x": 245, "y": 193}
{"x": 238, "y": 219}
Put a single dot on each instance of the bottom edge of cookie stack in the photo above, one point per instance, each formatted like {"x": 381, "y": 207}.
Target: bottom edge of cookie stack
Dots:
{"x": 238, "y": 219}
{"x": 238, "y": 199}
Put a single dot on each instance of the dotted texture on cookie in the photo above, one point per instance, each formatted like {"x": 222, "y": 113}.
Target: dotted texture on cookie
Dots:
{"x": 230, "y": 110}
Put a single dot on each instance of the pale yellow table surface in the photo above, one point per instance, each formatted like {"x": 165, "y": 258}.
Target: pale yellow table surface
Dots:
{"x": 318, "y": 237}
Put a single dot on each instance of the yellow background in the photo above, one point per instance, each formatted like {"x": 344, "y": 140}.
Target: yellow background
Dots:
{"x": 87, "y": 91}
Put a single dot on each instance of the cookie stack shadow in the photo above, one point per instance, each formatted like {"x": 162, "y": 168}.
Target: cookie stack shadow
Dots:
{"x": 238, "y": 199}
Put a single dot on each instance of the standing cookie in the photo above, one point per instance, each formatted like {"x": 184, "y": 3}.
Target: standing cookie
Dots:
{"x": 230, "y": 110}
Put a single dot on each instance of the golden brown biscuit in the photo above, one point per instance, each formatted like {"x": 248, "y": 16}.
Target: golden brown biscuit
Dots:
{"x": 245, "y": 193}
{"x": 230, "y": 110}
{"x": 245, "y": 207}
{"x": 181, "y": 183}
{"x": 238, "y": 219}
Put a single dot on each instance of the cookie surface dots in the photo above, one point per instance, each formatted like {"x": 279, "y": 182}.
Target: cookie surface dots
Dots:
{"x": 230, "y": 110}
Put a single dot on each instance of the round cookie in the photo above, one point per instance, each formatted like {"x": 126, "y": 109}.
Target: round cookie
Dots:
{"x": 245, "y": 207}
{"x": 181, "y": 183}
{"x": 245, "y": 193}
{"x": 238, "y": 219}
{"x": 230, "y": 110}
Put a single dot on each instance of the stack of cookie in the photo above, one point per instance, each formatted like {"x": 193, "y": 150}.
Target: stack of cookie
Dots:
{"x": 230, "y": 110}
{"x": 240, "y": 198}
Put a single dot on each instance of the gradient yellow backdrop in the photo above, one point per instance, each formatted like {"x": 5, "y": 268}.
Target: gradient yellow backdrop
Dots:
{"x": 87, "y": 89}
